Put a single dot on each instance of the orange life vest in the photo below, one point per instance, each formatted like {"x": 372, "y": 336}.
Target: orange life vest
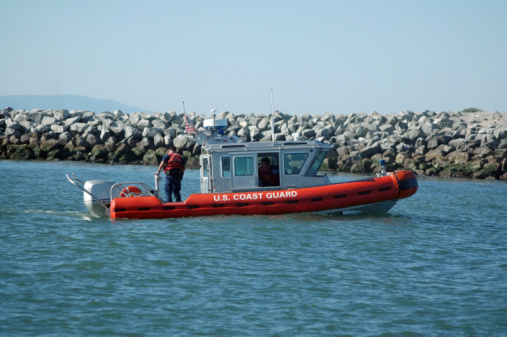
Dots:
{"x": 175, "y": 162}
{"x": 265, "y": 174}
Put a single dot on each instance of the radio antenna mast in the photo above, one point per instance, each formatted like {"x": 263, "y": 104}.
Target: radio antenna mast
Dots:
{"x": 272, "y": 119}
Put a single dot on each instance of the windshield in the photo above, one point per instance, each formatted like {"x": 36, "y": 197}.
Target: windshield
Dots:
{"x": 294, "y": 162}
{"x": 317, "y": 163}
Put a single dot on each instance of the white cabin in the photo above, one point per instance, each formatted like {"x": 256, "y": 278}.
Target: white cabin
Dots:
{"x": 227, "y": 166}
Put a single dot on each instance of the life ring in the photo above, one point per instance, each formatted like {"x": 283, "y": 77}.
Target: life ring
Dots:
{"x": 130, "y": 191}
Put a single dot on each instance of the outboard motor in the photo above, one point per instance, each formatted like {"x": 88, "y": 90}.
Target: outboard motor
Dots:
{"x": 97, "y": 197}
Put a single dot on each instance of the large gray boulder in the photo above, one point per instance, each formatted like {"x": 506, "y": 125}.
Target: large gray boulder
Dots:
{"x": 151, "y": 132}
{"x": 78, "y": 128}
{"x": 184, "y": 142}
{"x": 118, "y": 128}
{"x": 369, "y": 151}
{"x": 131, "y": 131}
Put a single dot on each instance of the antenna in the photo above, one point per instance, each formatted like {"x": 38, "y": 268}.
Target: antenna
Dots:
{"x": 272, "y": 119}
{"x": 213, "y": 113}
{"x": 184, "y": 107}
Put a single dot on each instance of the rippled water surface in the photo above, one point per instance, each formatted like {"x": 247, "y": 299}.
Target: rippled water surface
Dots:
{"x": 435, "y": 265}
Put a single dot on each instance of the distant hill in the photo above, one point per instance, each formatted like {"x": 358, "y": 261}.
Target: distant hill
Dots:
{"x": 68, "y": 102}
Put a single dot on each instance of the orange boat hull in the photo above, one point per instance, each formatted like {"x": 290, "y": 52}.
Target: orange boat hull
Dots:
{"x": 326, "y": 199}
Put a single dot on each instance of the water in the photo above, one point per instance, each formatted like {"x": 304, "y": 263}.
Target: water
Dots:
{"x": 435, "y": 265}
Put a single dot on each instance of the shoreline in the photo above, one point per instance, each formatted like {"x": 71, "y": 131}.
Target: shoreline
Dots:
{"x": 444, "y": 144}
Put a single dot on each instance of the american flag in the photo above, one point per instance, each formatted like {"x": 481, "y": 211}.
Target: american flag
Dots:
{"x": 189, "y": 127}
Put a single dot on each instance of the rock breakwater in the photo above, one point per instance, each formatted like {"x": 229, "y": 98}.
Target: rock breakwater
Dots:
{"x": 446, "y": 144}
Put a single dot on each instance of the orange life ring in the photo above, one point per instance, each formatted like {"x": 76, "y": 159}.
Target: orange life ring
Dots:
{"x": 130, "y": 191}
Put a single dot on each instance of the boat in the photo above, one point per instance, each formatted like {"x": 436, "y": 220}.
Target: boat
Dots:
{"x": 230, "y": 184}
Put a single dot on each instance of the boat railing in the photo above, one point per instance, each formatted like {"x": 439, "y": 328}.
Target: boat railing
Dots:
{"x": 131, "y": 189}
{"x": 383, "y": 172}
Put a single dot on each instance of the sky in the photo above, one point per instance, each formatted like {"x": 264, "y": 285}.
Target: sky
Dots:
{"x": 315, "y": 56}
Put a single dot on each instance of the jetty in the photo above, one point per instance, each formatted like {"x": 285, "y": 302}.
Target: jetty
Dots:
{"x": 444, "y": 144}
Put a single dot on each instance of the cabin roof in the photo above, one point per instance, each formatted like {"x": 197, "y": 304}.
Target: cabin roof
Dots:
{"x": 266, "y": 146}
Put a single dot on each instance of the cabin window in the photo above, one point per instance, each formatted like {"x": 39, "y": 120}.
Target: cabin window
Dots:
{"x": 226, "y": 167}
{"x": 294, "y": 162}
{"x": 317, "y": 162}
{"x": 205, "y": 167}
{"x": 243, "y": 166}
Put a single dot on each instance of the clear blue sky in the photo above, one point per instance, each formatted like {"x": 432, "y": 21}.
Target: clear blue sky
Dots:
{"x": 317, "y": 56}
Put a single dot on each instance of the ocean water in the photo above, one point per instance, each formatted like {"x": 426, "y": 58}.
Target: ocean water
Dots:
{"x": 435, "y": 265}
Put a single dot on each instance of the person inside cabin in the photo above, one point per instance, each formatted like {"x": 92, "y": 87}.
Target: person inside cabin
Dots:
{"x": 269, "y": 175}
{"x": 173, "y": 165}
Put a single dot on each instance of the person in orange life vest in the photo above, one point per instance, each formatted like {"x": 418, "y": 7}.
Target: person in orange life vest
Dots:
{"x": 269, "y": 175}
{"x": 174, "y": 166}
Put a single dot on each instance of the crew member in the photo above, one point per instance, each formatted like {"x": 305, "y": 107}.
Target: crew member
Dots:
{"x": 174, "y": 166}
{"x": 269, "y": 175}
